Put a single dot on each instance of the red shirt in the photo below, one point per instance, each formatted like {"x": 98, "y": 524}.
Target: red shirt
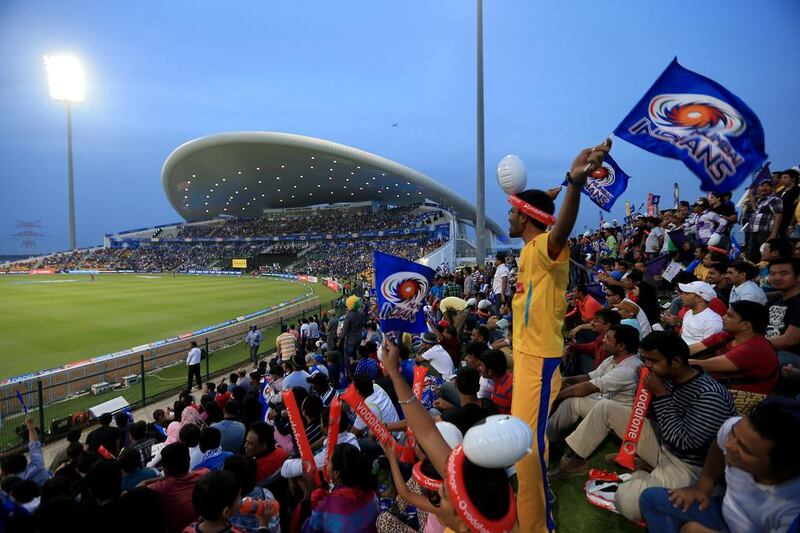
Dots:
{"x": 594, "y": 348}
{"x": 268, "y": 464}
{"x": 222, "y": 399}
{"x": 755, "y": 358}
{"x": 175, "y": 497}
{"x": 588, "y": 306}
{"x": 501, "y": 395}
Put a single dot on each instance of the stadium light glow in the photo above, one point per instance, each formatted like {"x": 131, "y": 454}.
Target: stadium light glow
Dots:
{"x": 65, "y": 78}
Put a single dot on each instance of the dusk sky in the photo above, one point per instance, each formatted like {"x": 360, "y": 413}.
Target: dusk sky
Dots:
{"x": 558, "y": 76}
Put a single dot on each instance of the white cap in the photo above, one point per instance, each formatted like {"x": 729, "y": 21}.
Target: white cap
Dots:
{"x": 472, "y": 302}
{"x": 607, "y": 225}
{"x": 484, "y": 304}
{"x": 700, "y": 288}
{"x": 450, "y": 433}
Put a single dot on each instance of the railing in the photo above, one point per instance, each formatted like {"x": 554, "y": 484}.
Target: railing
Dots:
{"x": 61, "y": 401}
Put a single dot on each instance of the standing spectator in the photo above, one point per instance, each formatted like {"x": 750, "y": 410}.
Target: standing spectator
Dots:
{"x": 330, "y": 329}
{"x": 285, "y": 344}
{"x": 105, "y": 436}
{"x": 700, "y": 321}
{"x": 741, "y": 274}
{"x": 708, "y": 223}
{"x": 788, "y": 194}
{"x": 193, "y": 366}
{"x": 313, "y": 334}
{"x": 765, "y": 219}
{"x": 175, "y": 489}
{"x": 253, "y": 340}
{"x": 230, "y": 428}
{"x": 352, "y": 329}
{"x": 469, "y": 282}
{"x": 538, "y": 308}
{"x": 17, "y": 464}
{"x": 500, "y": 279}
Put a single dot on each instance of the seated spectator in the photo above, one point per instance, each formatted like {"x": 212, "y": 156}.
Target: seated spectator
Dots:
{"x": 365, "y": 364}
{"x": 190, "y": 436}
{"x": 352, "y": 505}
{"x": 470, "y": 410}
{"x": 297, "y": 376}
{"x": 175, "y": 489}
{"x": 689, "y": 408}
{"x": 260, "y": 445}
{"x": 69, "y": 469}
{"x": 718, "y": 279}
{"x": 223, "y": 395}
{"x": 293, "y": 468}
{"x": 315, "y": 363}
{"x": 432, "y": 354}
{"x": 157, "y": 430}
{"x": 73, "y": 435}
{"x": 589, "y": 355}
{"x": 135, "y": 511}
{"x": 783, "y": 330}
{"x": 209, "y": 394}
{"x": 311, "y": 411}
{"x": 140, "y": 441}
{"x": 743, "y": 359}
{"x": 216, "y": 498}
{"x": 615, "y": 379}
{"x": 122, "y": 420}
{"x": 133, "y": 473}
{"x": 585, "y": 304}
{"x": 378, "y": 402}
{"x": 320, "y": 385}
{"x": 493, "y": 366}
{"x": 700, "y": 321}
{"x": 231, "y": 429}
{"x": 18, "y": 465}
{"x": 741, "y": 275}
{"x": 106, "y": 436}
{"x": 244, "y": 468}
{"x": 213, "y": 454}
{"x": 757, "y": 457}
{"x": 627, "y": 311}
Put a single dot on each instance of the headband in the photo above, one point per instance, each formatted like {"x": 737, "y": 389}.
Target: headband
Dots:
{"x": 457, "y": 489}
{"x": 424, "y": 481}
{"x": 533, "y": 212}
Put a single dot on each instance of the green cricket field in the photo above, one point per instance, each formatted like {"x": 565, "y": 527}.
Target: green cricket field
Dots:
{"x": 46, "y": 321}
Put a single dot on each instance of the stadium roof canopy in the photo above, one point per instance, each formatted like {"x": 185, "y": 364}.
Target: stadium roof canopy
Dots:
{"x": 242, "y": 173}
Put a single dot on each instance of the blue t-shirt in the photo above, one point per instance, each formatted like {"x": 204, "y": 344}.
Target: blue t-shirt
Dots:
{"x": 233, "y": 433}
{"x": 129, "y": 481}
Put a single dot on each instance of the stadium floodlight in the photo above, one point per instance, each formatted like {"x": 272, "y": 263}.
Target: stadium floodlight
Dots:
{"x": 66, "y": 80}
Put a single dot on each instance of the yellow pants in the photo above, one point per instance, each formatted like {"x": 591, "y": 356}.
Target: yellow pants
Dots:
{"x": 537, "y": 381}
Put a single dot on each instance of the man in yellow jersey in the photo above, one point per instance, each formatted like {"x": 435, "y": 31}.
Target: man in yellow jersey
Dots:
{"x": 538, "y": 309}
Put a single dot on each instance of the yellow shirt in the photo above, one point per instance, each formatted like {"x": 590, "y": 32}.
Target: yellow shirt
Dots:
{"x": 539, "y": 301}
{"x": 700, "y": 272}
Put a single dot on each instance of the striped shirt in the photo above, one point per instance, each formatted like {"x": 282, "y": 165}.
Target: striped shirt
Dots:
{"x": 285, "y": 342}
{"x": 691, "y": 415}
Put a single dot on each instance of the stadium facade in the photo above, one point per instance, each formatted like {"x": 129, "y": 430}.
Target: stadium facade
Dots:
{"x": 248, "y": 174}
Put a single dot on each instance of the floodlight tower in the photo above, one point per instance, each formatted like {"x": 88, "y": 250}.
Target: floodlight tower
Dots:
{"x": 66, "y": 80}
{"x": 480, "y": 196}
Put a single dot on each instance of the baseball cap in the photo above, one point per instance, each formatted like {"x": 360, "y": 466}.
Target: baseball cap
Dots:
{"x": 472, "y": 302}
{"x": 429, "y": 338}
{"x": 484, "y": 304}
{"x": 700, "y": 288}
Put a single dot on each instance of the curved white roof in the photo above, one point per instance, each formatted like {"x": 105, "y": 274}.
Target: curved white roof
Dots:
{"x": 242, "y": 173}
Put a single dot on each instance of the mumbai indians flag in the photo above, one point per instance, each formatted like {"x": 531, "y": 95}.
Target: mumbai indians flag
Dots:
{"x": 402, "y": 286}
{"x": 689, "y": 117}
{"x": 605, "y": 185}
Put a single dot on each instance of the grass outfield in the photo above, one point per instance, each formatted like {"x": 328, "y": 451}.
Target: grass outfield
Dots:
{"x": 46, "y": 321}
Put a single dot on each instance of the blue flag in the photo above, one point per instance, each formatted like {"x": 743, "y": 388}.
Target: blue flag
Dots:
{"x": 402, "y": 286}
{"x": 761, "y": 176}
{"x": 605, "y": 185}
{"x": 689, "y": 117}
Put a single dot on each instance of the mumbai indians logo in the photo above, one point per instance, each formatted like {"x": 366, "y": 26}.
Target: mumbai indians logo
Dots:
{"x": 699, "y": 125}
{"x": 597, "y": 184}
{"x": 695, "y": 112}
{"x": 403, "y": 293}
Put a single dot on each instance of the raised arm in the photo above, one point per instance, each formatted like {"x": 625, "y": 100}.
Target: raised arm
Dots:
{"x": 588, "y": 160}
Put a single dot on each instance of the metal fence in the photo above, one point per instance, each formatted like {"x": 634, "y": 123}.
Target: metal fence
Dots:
{"x": 60, "y": 401}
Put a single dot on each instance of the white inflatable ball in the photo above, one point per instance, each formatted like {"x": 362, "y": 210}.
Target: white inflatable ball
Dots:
{"x": 498, "y": 442}
{"x": 512, "y": 175}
